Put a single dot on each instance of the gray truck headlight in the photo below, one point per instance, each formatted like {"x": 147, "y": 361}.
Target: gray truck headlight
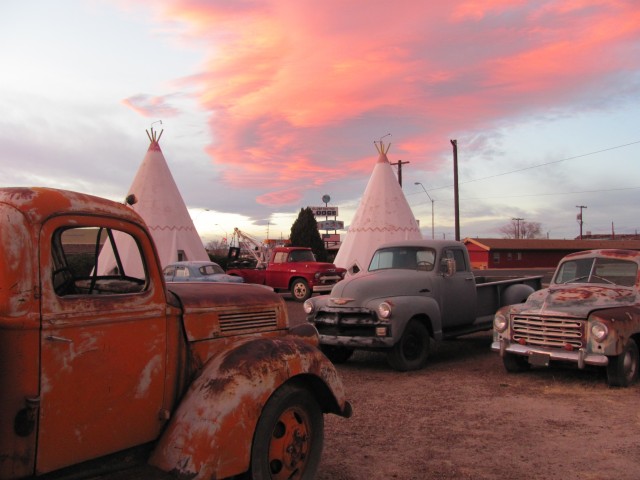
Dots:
{"x": 308, "y": 307}
{"x": 500, "y": 322}
{"x": 384, "y": 310}
{"x": 599, "y": 331}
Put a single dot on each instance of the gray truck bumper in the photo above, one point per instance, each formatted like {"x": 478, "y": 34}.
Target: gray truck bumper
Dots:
{"x": 580, "y": 357}
{"x": 356, "y": 342}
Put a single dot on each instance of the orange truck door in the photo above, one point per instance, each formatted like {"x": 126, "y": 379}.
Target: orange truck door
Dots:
{"x": 103, "y": 351}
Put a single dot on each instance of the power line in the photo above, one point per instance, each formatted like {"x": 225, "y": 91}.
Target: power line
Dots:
{"x": 541, "y": 165}
{"x": 552, "y": 194}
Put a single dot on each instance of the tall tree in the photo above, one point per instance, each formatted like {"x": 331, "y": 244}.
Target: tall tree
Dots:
{"x": 304, "y": 233}
{"x": 518, "y": 228}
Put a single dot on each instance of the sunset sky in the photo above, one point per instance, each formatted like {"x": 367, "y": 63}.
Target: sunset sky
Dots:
{"x": 268, "y": 105}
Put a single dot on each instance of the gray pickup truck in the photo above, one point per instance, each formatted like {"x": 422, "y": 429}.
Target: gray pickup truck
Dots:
{"x": 414, "y": 293}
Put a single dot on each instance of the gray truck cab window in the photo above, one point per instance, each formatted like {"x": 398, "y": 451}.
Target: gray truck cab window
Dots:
{"x": 459, "y": 257}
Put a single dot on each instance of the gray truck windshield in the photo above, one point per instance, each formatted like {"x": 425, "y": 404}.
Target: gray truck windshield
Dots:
{"x": 409, "y": 258}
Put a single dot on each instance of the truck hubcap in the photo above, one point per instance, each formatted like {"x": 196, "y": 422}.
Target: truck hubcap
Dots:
{"x": 299, "y": 290}
{"x": 289, "y": 446}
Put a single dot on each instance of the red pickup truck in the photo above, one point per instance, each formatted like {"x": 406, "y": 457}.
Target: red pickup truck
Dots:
{"x": 293, "y": 269}
{"x": 206, "y": 380}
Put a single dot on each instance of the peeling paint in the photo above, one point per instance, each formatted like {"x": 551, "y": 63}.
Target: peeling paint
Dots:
{"x": 153, "y": 369}
{"x": 103, "y": 373}
{"x": 588, "y": 288}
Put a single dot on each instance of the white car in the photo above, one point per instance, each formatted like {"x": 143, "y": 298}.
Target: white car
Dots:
{"x": 198, "y": 271}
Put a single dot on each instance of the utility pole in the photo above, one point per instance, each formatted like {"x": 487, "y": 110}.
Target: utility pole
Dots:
{"x": 399, "y": 164}
{"x": 517, "y": 220}
{"x": 581, "y": 207}
{"x": 456, "y": 202}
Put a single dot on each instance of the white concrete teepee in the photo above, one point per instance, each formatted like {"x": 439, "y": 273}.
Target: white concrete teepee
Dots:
{"x": 383, "y": 215}
{"x": 161, "y": 206}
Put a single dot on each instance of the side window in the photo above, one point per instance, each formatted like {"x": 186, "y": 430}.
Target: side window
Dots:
{"x": 182, "y": 272}
{"x": 280, "y": 257}
{"x": 461, "y": 264}
{"x": 94, "y": 260}
{"x": 169, "y": 271}
{"x": 458, "y": 256}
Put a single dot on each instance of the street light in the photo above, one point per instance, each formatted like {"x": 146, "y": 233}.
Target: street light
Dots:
{"x": 425, "y": 191}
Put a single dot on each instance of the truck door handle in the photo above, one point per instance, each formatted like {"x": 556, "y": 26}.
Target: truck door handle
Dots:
{"x": 53, "y": 338}
{"x": 469, "y": 278}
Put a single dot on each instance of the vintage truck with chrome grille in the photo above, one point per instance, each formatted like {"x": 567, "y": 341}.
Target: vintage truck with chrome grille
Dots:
{"x": 291, "y": 269}
{"x": 414, "y": 294}
{"x": 589, "y": 315}
{"x": 202, "y": 380}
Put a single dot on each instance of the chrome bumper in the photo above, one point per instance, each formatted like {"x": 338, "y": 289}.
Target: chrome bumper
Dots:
{"x": 356, "y": 342}
{"x": 322, "y": 288}
{"x": 581, "y": 357}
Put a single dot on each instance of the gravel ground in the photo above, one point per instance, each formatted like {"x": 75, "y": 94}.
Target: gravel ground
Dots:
{"x": 464, "y": 417}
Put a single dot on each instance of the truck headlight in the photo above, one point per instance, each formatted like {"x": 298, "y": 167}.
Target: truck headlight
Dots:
{"x": 384, "y": 310}
{"x": 599, "y": 331}
{"x": 500, "y": 322}
{"x": 308, "y": 307}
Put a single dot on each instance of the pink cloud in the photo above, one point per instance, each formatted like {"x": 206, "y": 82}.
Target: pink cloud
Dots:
{"x": 151, "y": 106}
{"x": 280, "y": 198}
{"x": 297, "y": 91}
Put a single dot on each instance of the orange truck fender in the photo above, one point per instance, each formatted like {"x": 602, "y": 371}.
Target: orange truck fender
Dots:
{"x": 223, "y": 405}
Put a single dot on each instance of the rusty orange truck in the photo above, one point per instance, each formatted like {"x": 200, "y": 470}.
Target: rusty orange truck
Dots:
{"x": 99, "y": 358}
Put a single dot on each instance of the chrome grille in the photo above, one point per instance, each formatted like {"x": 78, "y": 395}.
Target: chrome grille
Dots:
{"x": 548, "y": 331}
{"x": 242, "y": 322}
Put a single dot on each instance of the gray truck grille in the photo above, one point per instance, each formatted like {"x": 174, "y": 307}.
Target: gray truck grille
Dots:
{"x": 242, "y": 322}
{"x": 347, "y": 323}
{"x": 548, "y": 331}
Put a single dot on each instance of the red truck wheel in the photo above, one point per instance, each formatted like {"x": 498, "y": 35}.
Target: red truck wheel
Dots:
{"x": 300, "y": 289}
{"x": 289, "y": 437}
{"x": 622, "y": 370}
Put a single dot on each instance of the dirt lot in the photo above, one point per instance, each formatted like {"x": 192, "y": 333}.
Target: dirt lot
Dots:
{"x": 464, "y": 417}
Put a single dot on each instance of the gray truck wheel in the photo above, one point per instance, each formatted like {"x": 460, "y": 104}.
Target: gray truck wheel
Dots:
{"x": 622, "y": 370}
{"x": 300, "y": 289}
{"x": 337, "y": 354}
{"x": 289, "y": 437}
{"x": 412, "y": 350}
{"x": 515, "y": 363}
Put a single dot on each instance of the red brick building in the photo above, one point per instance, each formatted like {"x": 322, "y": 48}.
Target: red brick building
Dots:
{"x": 532, "y": 253}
